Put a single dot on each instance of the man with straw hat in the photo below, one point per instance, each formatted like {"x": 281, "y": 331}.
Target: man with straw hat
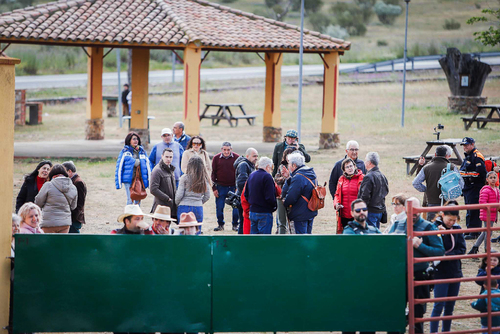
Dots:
{"x": 161, "y": 220}
{"x": 187, "y": 226}
{"x": 133, "y": 220}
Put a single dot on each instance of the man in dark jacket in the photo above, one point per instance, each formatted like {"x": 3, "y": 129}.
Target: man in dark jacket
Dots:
{"x": 351, "y": 150}
{"x": 358, "y": 225}
{"x": 260, "y": 193}
{"x": 431, "y": 173}
{"x": 243, "y": 167}
{"x": 223, "y": 178}
{"x": 297, "y": 191}
{"x": 373, "y": 190}
{"x": 473, "y": 170}
{"x": 291, "y": 140}
{"x": 78, "y": 214}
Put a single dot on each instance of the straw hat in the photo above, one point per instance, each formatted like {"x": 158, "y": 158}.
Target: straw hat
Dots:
{"x": 188, "y": 220}
{"x": 163, "y": 213}
{"x": 131, "y": 210}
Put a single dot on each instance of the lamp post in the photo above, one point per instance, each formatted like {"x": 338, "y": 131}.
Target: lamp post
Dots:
{"x": 404, "y": 65}
{"x": 301, "y": 55}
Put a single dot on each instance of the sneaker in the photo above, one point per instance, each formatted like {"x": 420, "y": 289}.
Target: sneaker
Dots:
{"x": 497, "y": 239}
{"x": 473, "y": 250}
{"x": 235, "y": 228}
{"x": 472, "y": 236}
{"x": 219, "y": 228}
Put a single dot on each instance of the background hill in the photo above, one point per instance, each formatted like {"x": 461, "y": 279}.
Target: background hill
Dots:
{"x": 434, "y": 25}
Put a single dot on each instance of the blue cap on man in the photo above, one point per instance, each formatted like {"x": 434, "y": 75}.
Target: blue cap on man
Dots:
{"x": 467, "y": 141}
{"x": 292, "y": 134}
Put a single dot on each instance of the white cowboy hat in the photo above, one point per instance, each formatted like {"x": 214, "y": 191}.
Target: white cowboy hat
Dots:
{"x": 163, "y": 213}
{"x": 187, "y": 220}
{"x": 131, "y": 210}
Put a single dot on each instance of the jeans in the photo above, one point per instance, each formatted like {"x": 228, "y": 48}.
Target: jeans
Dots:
{"x": 471, "y": 196}
{"x": 262, "y": 223}
{"x": 304, "y": 227}
{"x": 281, "y": 219}
{"x": 220, "y": 202}
{"x": 75, "y": 227}
{"x": 127, "y": 191}
{"x": 373, "y": 219}
{"x": 444, "y": 290}
{"x": 197, "y": 210}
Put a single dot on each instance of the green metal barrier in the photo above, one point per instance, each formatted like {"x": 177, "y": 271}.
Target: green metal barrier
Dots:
{"x": 309, "y": 283}
{"x": 106, "y": 283}
{"x": 123, "y": 283}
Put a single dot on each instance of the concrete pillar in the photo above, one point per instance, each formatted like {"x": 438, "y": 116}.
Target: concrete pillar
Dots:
{"x": 140, "y": 94}
{"x": 272, "y": 108}
{"x": 7, "y": 111}
{"x": 329, "y": 138}
{"x": 192, "y": 65}
{"x": 94, "y": 129}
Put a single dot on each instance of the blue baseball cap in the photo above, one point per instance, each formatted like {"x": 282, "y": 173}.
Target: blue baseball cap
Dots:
{"x": 467, "y": 141}
{"x": 292, "y": 134}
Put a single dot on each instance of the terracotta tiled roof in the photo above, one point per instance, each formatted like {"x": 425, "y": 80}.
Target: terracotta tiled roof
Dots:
{"x": 156, "y": 23}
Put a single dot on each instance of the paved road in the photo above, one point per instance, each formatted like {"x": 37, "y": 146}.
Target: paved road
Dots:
{"x": 109, "y": 148}
{"x": 234, "y": 73}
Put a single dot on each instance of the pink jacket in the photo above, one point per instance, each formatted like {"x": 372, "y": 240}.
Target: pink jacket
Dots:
{"x": 488, "y": 195}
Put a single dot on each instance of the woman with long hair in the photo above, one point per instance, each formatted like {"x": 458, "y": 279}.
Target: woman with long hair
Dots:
{"x": 31, "y": 217}
{"x": 347, "y": 191}
{"x": 56, "y": 199}
{"x": 196, "y": 147}
{"x": 132, "y": 156}
{"x": 194, "y": 189}
{"x": 33, "y": 182}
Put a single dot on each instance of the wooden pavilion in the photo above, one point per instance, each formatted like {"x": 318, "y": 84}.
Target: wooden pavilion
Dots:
{"x": 189, "y": 25}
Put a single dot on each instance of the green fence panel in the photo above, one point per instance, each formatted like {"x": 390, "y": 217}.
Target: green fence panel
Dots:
{"x": 309, "y": 283}
{"x": 120, "y": 283}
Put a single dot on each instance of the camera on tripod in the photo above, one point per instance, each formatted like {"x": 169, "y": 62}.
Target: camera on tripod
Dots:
{"x": 436, "y": 130}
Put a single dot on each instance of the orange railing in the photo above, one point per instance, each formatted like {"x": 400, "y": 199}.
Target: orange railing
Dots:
{"x": 411, "y": 261}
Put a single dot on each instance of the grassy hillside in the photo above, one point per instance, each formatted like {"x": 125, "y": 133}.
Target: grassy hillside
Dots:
{"x": 426, "y": 35}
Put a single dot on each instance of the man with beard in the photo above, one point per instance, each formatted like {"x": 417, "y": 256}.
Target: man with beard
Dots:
{"x": 359, "y": 211}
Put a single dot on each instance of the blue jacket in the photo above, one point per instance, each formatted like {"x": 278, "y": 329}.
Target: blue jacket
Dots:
{"x": 125, "y": 166}
{"x": 482, "y": 306}
{"x": 353, "y": 227}
{"x": 260, "y": 192}
{"x": 294, "y": 188}
{"x": 183, "y": 140}
{"x": 157, "y": 151}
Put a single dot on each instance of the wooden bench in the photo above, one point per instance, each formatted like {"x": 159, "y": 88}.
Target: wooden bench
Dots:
{"x": 125, "y": 118}
{"x": 224, "y": 112}
{"x": 413, "y": 159}
{"x": 468, "y": 121}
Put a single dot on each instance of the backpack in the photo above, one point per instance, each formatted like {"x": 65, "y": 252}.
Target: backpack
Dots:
{"x": 449, "y": 184}
{"x": 490, "y": 164}
{"x": 317, "y": 200}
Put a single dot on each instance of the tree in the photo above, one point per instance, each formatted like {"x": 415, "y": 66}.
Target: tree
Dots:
{"x": 319, "y": 21}
{"x": 387, "y": 14}
{"x": 492, "y": 35}
{"x": 310, "y": 6}
{"x": 279, "y": 8}
{"x": 350, "y": 17}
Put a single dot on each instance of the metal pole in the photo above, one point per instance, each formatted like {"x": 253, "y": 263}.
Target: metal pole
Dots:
{"x": 173, "y": 67}
{"x": 118, "y": 68}
{"x": 404, "y": 67}
{"x": 301, "y": 54}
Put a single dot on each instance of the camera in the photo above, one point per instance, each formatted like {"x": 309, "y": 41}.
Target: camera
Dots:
{"x": 436, "y": 130}
{"x": 233, "y": 200}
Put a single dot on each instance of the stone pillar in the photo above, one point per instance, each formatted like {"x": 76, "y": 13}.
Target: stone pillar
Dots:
{"x": 94, "y": 123}
{"x": 465, "y": 104}
{"x": 7, "y": 112}
{"x": 329, "y": 138}
{"x": 272, "y": 108}
{"x": 94, "y": 129}
{"x": 192, "y": 65}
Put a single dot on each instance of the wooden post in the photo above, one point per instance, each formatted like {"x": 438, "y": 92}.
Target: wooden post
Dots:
{"x": 140, "y": 94}
{"x": 94, "y": 129}
{"x": 192, "y": 65}
{"x": 272, "y": 108}
{"x": 7, "y": 111}
{"x": 329, "y": 138}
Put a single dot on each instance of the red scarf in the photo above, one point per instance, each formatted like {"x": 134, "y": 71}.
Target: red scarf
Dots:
{"x": 40, "y": 182}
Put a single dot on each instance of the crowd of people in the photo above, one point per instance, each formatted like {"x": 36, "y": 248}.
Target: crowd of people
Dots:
{"x": 182, "y": 178}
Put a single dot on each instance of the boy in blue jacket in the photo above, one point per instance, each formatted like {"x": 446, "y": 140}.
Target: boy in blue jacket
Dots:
{"x": 482, "y": 306}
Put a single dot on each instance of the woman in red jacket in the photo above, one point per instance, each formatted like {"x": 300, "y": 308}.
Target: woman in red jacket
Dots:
{"x": 347, "y": 191}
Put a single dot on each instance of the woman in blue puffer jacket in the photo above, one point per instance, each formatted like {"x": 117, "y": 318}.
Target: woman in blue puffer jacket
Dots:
{"x": 131, "y": 156}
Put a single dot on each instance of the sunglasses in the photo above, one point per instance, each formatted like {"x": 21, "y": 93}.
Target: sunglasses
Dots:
{"x": 361, "y": 209}
{"x": 396, "y": 204}
{"x": 197, "y": 144}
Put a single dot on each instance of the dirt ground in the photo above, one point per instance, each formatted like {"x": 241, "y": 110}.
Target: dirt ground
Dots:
{"x": 369, "y": 114}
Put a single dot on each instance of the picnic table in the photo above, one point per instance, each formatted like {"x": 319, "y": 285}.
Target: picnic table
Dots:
{"x": 452, "y": 142}
{"x": 224, "y": 112}
{"x": 494, "y": 108}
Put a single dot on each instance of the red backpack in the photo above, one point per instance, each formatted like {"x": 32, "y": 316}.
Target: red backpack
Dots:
{"x": 317, "y": 200}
